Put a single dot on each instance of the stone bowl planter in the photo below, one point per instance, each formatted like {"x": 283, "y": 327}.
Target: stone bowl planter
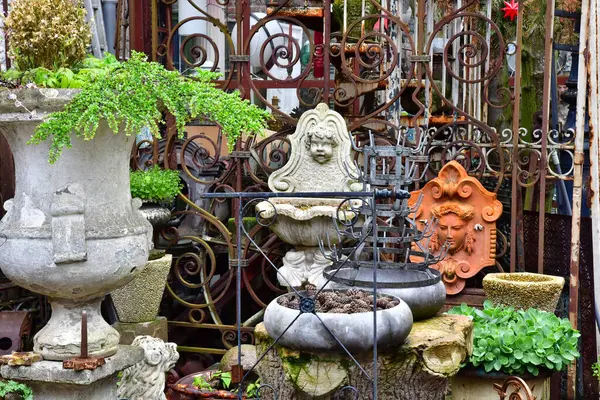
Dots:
{"x": 157, "y": 215}
{"x": 524, "y": 290}
{"x": 425, "y": 296}
{"x": 354, "y": 331}
{"x": 139, "y": 300}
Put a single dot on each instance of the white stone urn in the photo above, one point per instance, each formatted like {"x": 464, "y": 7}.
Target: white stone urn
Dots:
{"x": 72, "y": 232}
{"x": 320, "y": 161}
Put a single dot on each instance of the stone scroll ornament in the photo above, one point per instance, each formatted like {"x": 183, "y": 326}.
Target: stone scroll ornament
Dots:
{"x": 466, "y": 216}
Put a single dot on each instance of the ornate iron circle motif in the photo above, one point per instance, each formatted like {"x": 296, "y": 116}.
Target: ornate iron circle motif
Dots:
{"x": 307, "y": 305}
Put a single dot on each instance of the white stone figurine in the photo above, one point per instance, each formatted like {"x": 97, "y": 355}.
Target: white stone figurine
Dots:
{"x": 146, "y": 379}
{"x": 320, "y": 161}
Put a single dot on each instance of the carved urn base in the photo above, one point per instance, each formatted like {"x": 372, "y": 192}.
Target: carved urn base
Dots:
{"x": 61, "y": 337}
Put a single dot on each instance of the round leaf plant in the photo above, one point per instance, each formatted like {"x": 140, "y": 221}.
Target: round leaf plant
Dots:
{"x": 517, "y": 341}
{"x": 155, "y": 185}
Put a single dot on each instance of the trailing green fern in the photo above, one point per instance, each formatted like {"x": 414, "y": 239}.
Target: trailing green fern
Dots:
{"x": 135, "y": 94}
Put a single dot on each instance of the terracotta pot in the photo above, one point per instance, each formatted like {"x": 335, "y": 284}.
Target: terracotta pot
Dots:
{"x": 476, "y": 384}
{"x": 524, "y": 290}
{"x": 72, "y": 232}
{"x": 139, "y": 300}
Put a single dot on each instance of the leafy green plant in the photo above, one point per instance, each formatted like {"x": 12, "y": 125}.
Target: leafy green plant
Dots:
{"x": 133, "y": 97}
{"x": 253, "y": 388}
{"x": 47, "y": 33}
{"x": 220, "y": 380}
{"x": 516, "y": 341}
{"x": 76, "y": 77}
{"x": 7, "y": 387}
{"x": 596, "y": 369}
{"x": 155, "y": 184}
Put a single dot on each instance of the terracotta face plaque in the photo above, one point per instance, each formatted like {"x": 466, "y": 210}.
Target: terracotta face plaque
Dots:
{"x": 466, "y": 216}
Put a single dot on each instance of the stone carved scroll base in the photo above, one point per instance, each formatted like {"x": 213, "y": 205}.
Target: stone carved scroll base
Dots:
{"x": 302, "y": 265}
{"x": 418, "y": 369}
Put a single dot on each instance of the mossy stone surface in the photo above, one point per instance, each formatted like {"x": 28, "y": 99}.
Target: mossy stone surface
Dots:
{"x": 139, "y": 300}
{"x": 418, "y": 368}
{"x": 524, "y": 290}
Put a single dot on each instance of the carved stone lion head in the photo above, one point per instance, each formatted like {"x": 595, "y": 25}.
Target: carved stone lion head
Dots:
{"x": 146, "y": 379}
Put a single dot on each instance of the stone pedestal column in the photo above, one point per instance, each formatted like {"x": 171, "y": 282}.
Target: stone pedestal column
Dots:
{"x": 50, "y": 381}
{"x": 420, "y": 368}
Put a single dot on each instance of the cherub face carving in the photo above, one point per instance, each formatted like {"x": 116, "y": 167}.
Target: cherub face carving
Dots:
{"x": 320, "y": 142}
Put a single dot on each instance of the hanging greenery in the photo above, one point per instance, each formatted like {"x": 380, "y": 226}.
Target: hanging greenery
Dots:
{"x": 134, "y": 95}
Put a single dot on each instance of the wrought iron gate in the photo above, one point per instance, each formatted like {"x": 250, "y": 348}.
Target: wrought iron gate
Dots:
{"x": 434, "y": 72}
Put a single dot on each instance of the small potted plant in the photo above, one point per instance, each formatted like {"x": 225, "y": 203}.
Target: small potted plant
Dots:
{"x": 11, "y": 390}
{"x": 531, "y": 344}
{"x": 157, "y": 188}
{"x": 75, "y": 212}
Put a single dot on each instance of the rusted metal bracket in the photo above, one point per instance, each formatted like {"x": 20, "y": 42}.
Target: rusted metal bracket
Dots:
{"x": 244, "y": 262}
{"x": 83, "y": 361}
{"x": 424, "y": 58}
{"x": 237, "y": 373}
{"x": 241, "y": 154}
{"x": 17, "y": 359}
{"x": 239, "y": 58}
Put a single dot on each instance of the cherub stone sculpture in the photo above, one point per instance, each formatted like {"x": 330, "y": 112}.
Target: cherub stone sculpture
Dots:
{"x": 320, "y": 161}
{"x": 466, "y": 216}
{"x": 146, "y": 379}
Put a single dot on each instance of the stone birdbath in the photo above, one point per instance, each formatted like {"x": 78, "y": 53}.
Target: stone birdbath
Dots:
{"x": 320, "y": 161}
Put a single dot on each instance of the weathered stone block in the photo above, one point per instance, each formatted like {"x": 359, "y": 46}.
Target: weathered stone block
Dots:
{"x": 157, "y": 328}
{"x": 50, "y": 381}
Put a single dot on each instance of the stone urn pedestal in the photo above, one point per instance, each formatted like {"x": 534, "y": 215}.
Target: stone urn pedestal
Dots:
{"x": 418, "y": 368}
{"x": 72, "y": 232}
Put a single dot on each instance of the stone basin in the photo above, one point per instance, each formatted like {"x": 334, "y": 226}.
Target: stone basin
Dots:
{"x": 423, "y": 291}
{"x": 303, "y": 221}
{"x": 524, "y": 290}
{"x": 354, "y": 331}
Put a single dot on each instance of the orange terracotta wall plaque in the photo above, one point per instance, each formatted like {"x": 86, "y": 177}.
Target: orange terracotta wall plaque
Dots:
{"x": 466, "y": 214}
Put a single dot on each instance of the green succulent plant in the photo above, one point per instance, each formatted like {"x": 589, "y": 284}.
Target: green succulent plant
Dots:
{"x": 155, "y": 184}
{"x": 517, "y": 341}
